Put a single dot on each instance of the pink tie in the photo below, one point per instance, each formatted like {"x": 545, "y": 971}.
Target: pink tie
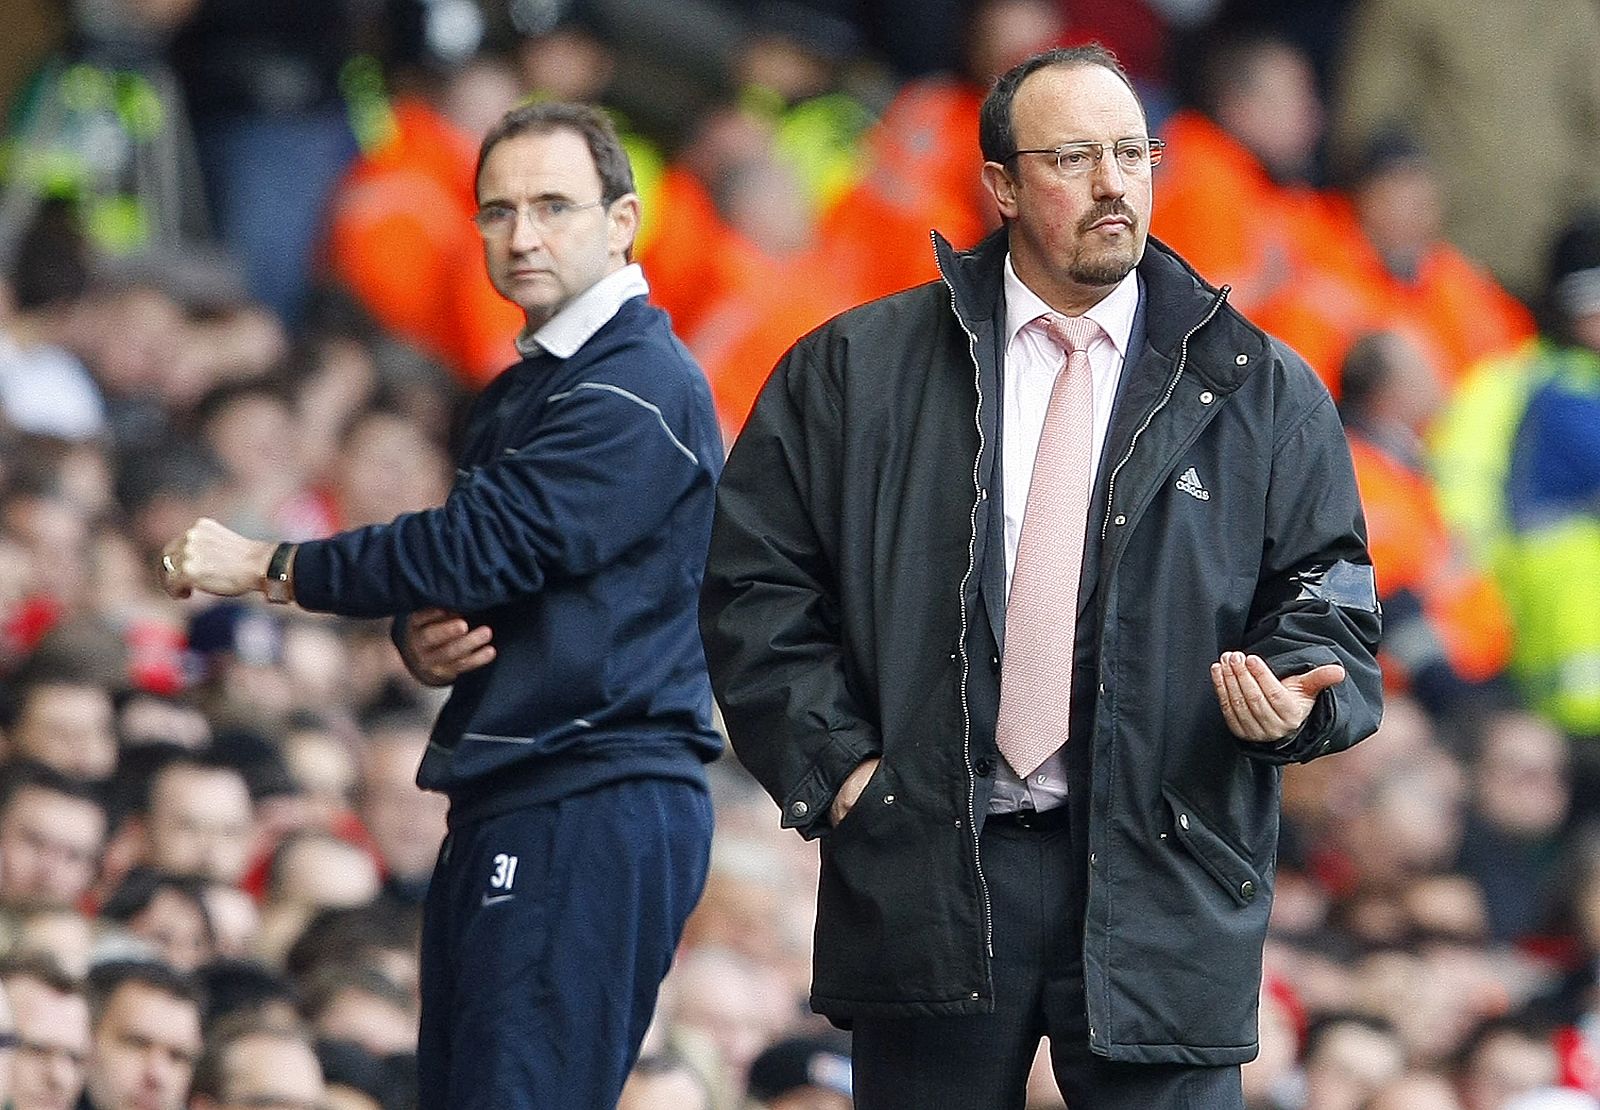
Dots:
{"x": 1042, "y": 609}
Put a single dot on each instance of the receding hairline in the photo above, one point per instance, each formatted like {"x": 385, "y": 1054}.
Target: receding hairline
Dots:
{"x": 997, "y": 115}
{"x": 540, "y": 130}
{"x": 1068, "y": 65}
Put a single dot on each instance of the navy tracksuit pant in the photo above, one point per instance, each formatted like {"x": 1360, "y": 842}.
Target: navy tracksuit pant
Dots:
{"x": 546, "y": 933}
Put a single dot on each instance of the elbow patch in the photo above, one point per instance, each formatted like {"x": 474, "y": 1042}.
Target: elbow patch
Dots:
{"x": 1345, "y": 584}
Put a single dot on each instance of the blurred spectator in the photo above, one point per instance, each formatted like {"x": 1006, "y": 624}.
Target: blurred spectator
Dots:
{"x": 802, "y": 1073}
{"x": 52, "y": 831}
{"x": 1502, "y": 1060}
{"x": 1518, "y": 466}
{"x": 723, "y": 1009}
{"x": 239, "y": 651}
{"x": 922, "y": 152}
{"x": 1233, "y": 196}
{"x": 1514, "y": 76}
{"x": 378, "y": 936}
{"x": 325, "y": 773}
{"x": 363, "y": 1006}
{"x": 1407, "y": 823}
{"x": 44, "y": 388}
{"x": 249, "y": 427}
{"x": 201, "y": 821}
{"x": 1575, "y": 1001}
{"x": 145, "y": 1037}
{"x": 1393, "y": 269}
{"x": 1446, "y": 629}
{"x": 62, "y": 718}
{"x": 684, "y": 256}
{"x": 406, "y": 823}
{"x": 52, "y": 1020}
{"x": 790, "y": 71}
{"x": 400, "y": 234}
{"x": 104, "y": 125}
{"x": 242, "y": 991}
{"x": 312, "y": 870}
{"x": 386, "y": 466}
{"x": 167, "y": 912}
{"x": 263, "y": 84}
{"x": 1432, "y": 993}
{"x": 1521, "y": 794}
{"x": 160, "y": 487}
{"x": 1348, "y": 1059}
{"x": 756, "y": 899}
{"x": 252, "y": 1064}
{"x": 664, "y": 1082}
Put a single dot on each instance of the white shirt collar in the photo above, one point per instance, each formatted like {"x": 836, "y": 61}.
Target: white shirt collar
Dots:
{"x": 1114, "y": 312}
{"x": 585, "y": 314}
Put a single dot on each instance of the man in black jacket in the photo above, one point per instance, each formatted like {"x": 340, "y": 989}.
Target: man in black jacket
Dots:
{"x": 554, "y": 591}
{"x": 1023, "y": 586}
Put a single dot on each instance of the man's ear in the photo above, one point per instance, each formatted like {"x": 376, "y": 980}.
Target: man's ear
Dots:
{"x": 622, "y": 224}
{"x": 1002, "y": 187}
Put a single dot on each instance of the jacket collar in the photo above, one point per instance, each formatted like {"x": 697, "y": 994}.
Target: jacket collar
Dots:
{"x": 1178, "y": 298}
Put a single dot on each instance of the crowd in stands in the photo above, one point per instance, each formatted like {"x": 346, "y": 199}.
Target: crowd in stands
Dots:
{"x": 241, "y": 281}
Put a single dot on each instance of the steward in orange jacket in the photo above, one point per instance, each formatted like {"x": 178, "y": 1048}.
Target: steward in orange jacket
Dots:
{"x": 1446, "y": 623}
{"x": 400, "y": 237}
{"x": 1393, "y": 270}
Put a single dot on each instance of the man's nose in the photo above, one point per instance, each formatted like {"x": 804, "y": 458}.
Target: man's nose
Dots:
{"x": 525, "y": 233}
{"x": 1107, "y": 177}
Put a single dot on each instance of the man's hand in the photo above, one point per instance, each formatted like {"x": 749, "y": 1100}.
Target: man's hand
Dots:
{"x": 214, "y": 560}
{"x": 850, "y": 791}
{"x": 440, "y": 647}
{"x": 1260, "y": 708}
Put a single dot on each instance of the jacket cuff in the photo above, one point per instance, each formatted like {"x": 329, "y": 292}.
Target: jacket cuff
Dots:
{"x": 312, "y": 570}
{"x": 1318, "y": 732}
{"x": 805, "y": 808}
{"x": 1314, "y": 737}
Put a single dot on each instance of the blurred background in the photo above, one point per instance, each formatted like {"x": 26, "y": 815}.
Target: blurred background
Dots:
{"x": 240, "y": 280}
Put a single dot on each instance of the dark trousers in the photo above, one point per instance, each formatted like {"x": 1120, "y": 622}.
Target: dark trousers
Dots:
{"x": 981, "y": 1062}
{"x": 546, "y": 934}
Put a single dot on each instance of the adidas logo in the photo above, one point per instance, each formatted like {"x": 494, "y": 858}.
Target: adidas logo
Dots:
{"x": 1189, "y": 482}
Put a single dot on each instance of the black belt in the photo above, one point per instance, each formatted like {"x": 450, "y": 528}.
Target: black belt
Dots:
{"x": 1040, "y": 820}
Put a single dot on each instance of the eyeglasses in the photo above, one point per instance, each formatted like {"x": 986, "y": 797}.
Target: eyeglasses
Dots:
{"x": 545, "y": 214}
{"x": 1133, "y": 156}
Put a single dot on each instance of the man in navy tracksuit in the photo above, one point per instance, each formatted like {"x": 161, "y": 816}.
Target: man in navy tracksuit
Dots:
{"x": 555, "y": 590}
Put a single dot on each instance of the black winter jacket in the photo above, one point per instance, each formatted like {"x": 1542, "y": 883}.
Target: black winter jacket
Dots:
{"x": 843, "y": 619}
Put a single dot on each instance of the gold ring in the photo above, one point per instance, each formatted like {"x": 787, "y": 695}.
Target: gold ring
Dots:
{"x": 168, "y": 565}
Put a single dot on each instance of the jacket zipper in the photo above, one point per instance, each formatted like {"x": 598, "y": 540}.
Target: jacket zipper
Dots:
{"x": 961, "y": 647}
{"x": 1172, "y": 385}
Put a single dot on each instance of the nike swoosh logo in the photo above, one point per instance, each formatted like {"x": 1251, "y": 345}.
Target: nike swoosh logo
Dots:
{"x": 491, "y": 900}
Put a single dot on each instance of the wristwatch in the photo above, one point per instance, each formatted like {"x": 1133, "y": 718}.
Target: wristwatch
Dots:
{"x": 279, "y": 584}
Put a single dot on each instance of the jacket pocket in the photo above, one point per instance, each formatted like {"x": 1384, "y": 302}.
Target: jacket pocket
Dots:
{"x": 874, "y": 795}
{"x": 1232, "y": 871}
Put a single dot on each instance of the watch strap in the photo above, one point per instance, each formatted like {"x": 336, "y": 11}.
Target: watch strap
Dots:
{"x": 279, "y": 585}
